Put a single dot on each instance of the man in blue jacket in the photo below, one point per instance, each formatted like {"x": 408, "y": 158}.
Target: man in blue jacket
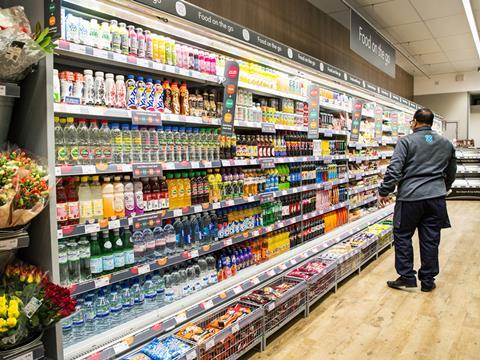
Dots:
{"x": 423, "y": 167}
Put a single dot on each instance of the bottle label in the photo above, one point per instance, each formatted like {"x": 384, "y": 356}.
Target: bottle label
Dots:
{"x": 129, "y": 201}
{"x": 62, "y": 154}
{"x": 139, "y": 248}
{"x": 107, "y": 153}
{"x": 74, "y": 153}
{"x": 102, "y": 313}
{"x": 139, "y": 300}
{"x": 84, "y": 153}
{"x": 205, "y": 281}
{"x": 139, "y": 200}
{"x": 108, "y": 263}
{"x": 169, "y": 295}
{"x": 86, "y": 211}
{"x": 118, "y": 205}
{"x": 62, "y": 258}
{"x": 96, "y": 265}
{"x": 127, "y": 305}
{"x": 62, "y": 211}
{"x": 98, "y": 153}
{"x": 119, "y": 260}
{"x": 129, "y": 257}
{"x": 115, "y": 308}
{"x": 152, "y": 294}
{"x": 97, "y": 208}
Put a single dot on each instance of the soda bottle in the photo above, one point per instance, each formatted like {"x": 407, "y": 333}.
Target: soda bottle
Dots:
{"x": 177, "y": 145}
{"x": 106, "y": 141}
{"x": 159, "y": 284}
{"x": 62, "y": 204}
{"x": 128, "y": 250}
{"x": 96, "y": 258}
{"x": 164, "y": 204}
{"x": 84, "y": 249}
{"x": 97, "y": 198}
{"x": 203, "y": 267}
{"x": 137, "y": 153}
{"x": 73, "y": 261}
{"x": 83, "y": 137}
{"x": 126, "y": 144}
{"x": 206, "y": 228}
{"x": 63, "y": 263}
{"x": 180, "y": 190}
{"x": 183, "y": 142}
{"x": 169, "y": 288}
{"x": 187, "y": 197}
{"x": 145, "y": 137}
{"x": 147, "y": 194}
{"x": 85, "y": 201}
{"x": 117, "y": 144}
{"x": 170, "y": 238}
{"x": 107, "y": 253}
{"x": 155, "y": 195}
{"x": 118, "y": 251}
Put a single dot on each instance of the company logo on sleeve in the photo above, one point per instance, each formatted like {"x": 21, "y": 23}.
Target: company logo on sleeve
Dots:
{"x": 429, "y": 138}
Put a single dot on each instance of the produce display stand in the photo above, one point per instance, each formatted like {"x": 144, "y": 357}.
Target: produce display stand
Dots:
{"x": 467, "y": 182}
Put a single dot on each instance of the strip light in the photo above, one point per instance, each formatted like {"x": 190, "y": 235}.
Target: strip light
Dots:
{"x": 471, "y": 22}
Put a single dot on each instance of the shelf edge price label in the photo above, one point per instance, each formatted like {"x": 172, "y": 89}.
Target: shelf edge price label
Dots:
{"x": 9, "y": 244}
{"x": 92, "y": 228}
{"x": 120, "y": 347}
{"x": 237, "y": 290}
{"x": 255, "y": 281}
{"x": 150, "y": 118}
{"x": 207, "y": 304}
{"x": 143, "y": 269}
{"x": 147, "y": 170}
{"x": 180, "y": 318}
{"x": 209, "y": 344}
{"x": 266, "y": 198}
{"x": 267, "y": 163}
{"x": 271, "y": 306}
{"x": 328, "y": 133}
{"x": 268, "y": 128}
{"x": 101, "y": 282}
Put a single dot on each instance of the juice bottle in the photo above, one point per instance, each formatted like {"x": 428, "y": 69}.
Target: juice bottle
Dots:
{"x": 180, "y": 190}
{"x": 72, "y": 198}
{"x": 212, "y": 186}
{"x": 194, "y": 188}
{"x": 124, "y": 40}
{"x": 97, "y": 200}
{"x": 161, "y": 50}
{"x": 133, "y": 41}
{"x": 141, "y": 99}
{"x": 164, "y": 191}
{"x": 156, "y": 196}
{"x": 62, "y": 204}
{"x": 138, "y": 197}
{"x": 108, "y": 197}
{"x": 85, "y": 200}
{"x": 129, "y": 196}
{"x": 147, "y": 194}
{"x": 187, "y": 200}
{"x": 148, "y": 45}
{"x": 184, "y": 108}
{"x": 167, "y": 102}
{"x": 172, "y": 191}
{"x": 175, "y": 98}
{"x": 155, "y": 54}
{"x": 118, "y": 197}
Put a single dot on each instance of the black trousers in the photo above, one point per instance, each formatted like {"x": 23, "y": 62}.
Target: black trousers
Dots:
{"x": 429, "y": 217}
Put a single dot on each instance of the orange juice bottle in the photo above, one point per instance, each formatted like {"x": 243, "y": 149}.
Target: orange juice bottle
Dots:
{"x": 187, "y": 200}
{"x": 172, "y": 191}
{"x": 108, "y": 197}
{"x": 180, "y": 190}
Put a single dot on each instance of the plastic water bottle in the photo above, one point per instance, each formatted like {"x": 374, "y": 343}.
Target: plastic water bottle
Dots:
{"x": 154, "y": 145}
{"x": 117, "y": 146}
{"x": 145, "y": 137}
{"x": 212, "y": 270}
{"x": 169, "y": 289}
{"x": 63, "y": 263}
{"x": 162, "y": 144}
{"x": 149, "y": 293}
{"x": 177, "y": 288}
{"x": 191, "y": 279}
{"x": 203, "y": 267}
{"x": 178, "y": 226}
{"x": 183, "y": 136}
{"x": 127, "y": 301}
{"x": 196, "y": 233}
{"x": 137, "y": 153}
{"x": 139, "y": 247}
{"x": 106, "y": 141}
{"x": 138, "y": 298}
{"x": 102, "y": 311}
{"x": 73, "y": 261}
{"x": 186, "y": 233}
{"x": 170, "y": 145}
{"x": 96, "y": 153}
{"x": 177, "y": 142}
{"x": 160, "y": 242}
{"x": 78, "y": 319}
{"x": 170, "y": 239}
{"x": 60, "y": 149}
{"x": 184, "y": 286}
{"x": 159, "y": 283}
{"x": 192, "y": 149}
{"x": 198, "y": 277}
{"x": 67, "y": 329}
{"x": 126, "y": 143}
{"x": 149, "y": 240}
{"x": 83, "y": 135}
{"x": 89, "y": 313}
{"x": 71, "y": 141}
{"x": 205, "y": 223}
{"x": 116, "y": 305}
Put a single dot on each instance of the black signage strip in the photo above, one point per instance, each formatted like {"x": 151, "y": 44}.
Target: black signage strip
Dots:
{"x": 199, "y": 16}
{"x": 356, "y": 119}
{"x": 232, "y": 71}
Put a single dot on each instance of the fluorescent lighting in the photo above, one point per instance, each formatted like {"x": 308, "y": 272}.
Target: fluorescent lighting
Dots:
{"x": 471, "y": 22}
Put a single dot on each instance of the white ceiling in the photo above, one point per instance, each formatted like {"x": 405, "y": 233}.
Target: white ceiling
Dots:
{"x": 433, "y": 34}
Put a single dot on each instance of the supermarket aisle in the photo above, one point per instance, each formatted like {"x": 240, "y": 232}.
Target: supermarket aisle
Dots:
{"x": 367, "y": 320}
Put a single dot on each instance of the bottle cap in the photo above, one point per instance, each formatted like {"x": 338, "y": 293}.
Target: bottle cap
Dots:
{"x": 130, "y": 77}
{"x": 109, "y": 76}
{"x": 98, "y": 73}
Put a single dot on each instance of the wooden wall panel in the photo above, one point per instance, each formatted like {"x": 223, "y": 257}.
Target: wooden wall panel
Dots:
{"x": 302, "y": 26}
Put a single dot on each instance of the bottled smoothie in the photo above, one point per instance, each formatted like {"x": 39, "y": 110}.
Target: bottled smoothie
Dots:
{"x": 140, "y": 99}
{"x": 141, "y": 43}
{"x": 167, "y": 102}
{"x": 97, "y": 198}
{"x": 133, "y": 41}
{"x": 158, "y": 96}
{"x": 129, "y": 196}
{"x": 62, "y": 204}
{"x": 85, "y": 201}
{"x": 131, "y": 94}
{"x": 149, "y": 95}
{"x": 118, "y": 197}
{"x": 148, "y": 45}
{"x": 175, "y": 98}
{"x": 138, "y": 197}
{"x": 124, "y": 40}
{"x": 108, "y": 197}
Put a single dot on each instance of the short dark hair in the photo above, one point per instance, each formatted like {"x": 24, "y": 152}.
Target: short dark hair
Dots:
{"x": 424, "y": 116}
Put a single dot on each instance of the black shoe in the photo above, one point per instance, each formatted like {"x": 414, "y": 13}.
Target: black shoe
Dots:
{"x": 428, "y": 287}
{"x": 401, "y": 283}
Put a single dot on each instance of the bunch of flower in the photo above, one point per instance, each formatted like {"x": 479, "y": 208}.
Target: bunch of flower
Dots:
{"x": 23, "y": 188}
{"x": 30, "y": 303}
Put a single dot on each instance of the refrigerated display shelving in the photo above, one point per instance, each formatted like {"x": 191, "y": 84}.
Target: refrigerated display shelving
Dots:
{"x": 467, "y": 184}
{"x": 361, "y": 203}
{"x": 259, "y": 90}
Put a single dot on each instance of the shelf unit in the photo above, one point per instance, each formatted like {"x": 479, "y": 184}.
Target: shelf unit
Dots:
{"x": 37, "y": 93}
{"x": 467, "y": 183}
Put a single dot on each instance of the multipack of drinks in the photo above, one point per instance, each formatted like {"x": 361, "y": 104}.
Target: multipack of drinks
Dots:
{"x": 128, "y": 40}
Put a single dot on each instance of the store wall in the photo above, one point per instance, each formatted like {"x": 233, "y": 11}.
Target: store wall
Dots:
{"x": 301, "y": 25}
{"x": 474, "y": 125}
{"x": 453, "y": 107}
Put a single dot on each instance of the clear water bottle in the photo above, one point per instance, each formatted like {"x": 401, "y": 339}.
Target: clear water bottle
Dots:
{"x": 116, "y": 305}
{"x": 63, "y": 263}
{"x": 177, "y": 145}
{"x": 127, "y": 301}
{"x": 176, "y": 285}
{"x": 96, "y": 152}
{"x": 160, "y": 241}
{"x": 184, "y": 154}
{"x": 83, "y": 143}
{"x": 67, "y": 329}
{"x": 170, "y": 148}
{"x": 84, "y": 249}
{"x": 145, "y": 137}
{"x": 138, "y": 298}
{"x": 73, "y": 261}
{"x": 102, "y": 311}
{"x": 196, "y": 233}
{"x": 191, "y": 279}
{"x": 154, "y": 145}
{"x": 78, "y": 319}
{"x": 60, "y": 149}
{"x": 170, "y": 239}
{"x": 71, "y": 141}
{"x": 117, "y": 144}
{"x": 159, "y": 283}
{"x": 212, "y": 270}
{"x": 89, "y": 313}
{"x": 137, "y": 154}
{"x": 162, "y": 144}
{"x": 169, "y": 288}
{"x": 203, "y": 267}
{"x": 198, "y": 277}
{"x": 149, "y": 294}
{"x": 149, "y": 240}
{"x": 186, "y": 233}
{"x": 126, "y": 143}
{"x": 213, "y": 226}
{"x": 184, "y": 286}
{"x": 205, "y": 223}
{"x": 139, "y": 247}
{"x": 192, "y": 148}
{"x": 106, "y": 141}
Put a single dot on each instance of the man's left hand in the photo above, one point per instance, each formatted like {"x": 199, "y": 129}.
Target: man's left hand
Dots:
{"x": 383, "y": 200}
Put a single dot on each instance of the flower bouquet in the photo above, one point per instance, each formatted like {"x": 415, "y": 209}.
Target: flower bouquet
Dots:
{"x": 23, "y": 188}
{"x": 29, "y": 303}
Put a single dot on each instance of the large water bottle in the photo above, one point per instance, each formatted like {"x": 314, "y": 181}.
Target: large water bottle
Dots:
{"x": 127, "y": 301}
{"x": 83, "y": 142}
{"x": 212, "y": 270}
{"x": 196, "y": 232}
{"x": 186, "y": 233}
{"x": 146, "y": 150}
{"x": 192, "y": 148}
{"x": 205, "y": 226}
{"x": 138, "y": 298}
{"x": 178, "y": 226}
{"x": 170, "y": 239}
{"x": 73, "y": 261}
{"x": 191, "y": 280}
{"x": 106, "y": 141}
{"x": 149, "y": 294}
{"x": 116, "y": 305}
{"x": 169, "y": 288}
{"x": 177, "y": 144}
{"x": 183, "y": 136}
{"x": 160, "y": 241}
{"x": 67, "y": 329}
{"x": 176, "y": 285}
{"x": 154, "y": 145}
{"x": 102, "y": 311}
{"x": 117, "y": 146}
{"x": 203, "y": 267}
{"x": 139, "y": 247}
{"x": 184, "y": 286}
{"x": 198, "y": 277}
{"x": 96, "y": 152}
{"x": 170, "y": 145}
{"x": 149, "y": 244}
{"x": 71, "y": 141}
{"x": 78, "y": 322}
{"x": 162, "y": 144}
{"x": 126, "y": 143}
{"x": 61, "y": 155}
{"x": 137, "y": 154}
{"x": 159, "y": 283}
{"x": 89, "y": 313}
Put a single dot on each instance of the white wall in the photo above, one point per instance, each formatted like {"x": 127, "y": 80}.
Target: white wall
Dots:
{"x": 446, "y": 83}
{"x": 475, "y": 124}
{"x": 452, "y": 106}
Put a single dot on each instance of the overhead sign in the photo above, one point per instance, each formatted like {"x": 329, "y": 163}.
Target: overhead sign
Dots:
{"x": 367, "y": 43}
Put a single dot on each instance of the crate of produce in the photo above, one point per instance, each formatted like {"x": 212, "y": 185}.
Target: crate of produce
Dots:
{"x": 367, "y": 244}
{"x": 347, "y": 257}
{"x": 320, "y": 277}
{"x": 283, "y": 299}
{"x": 225, "y": 333}
{"x": 165, "y": 348}
{"x": 384, "y": 232}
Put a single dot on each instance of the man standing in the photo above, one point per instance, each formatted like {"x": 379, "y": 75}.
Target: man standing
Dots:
{"x": 423, "y": 166}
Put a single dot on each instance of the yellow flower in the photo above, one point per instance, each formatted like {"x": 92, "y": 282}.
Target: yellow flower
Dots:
{"x": 11, "y": 322}
{"x": 3, "y": 300}
{"x": 13, "y": 313}
{"x": 3, "y": 322}
{"x": 3, "y": 310}
{"x": 2, "y": 329}
{"x": 30, "y": 278}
